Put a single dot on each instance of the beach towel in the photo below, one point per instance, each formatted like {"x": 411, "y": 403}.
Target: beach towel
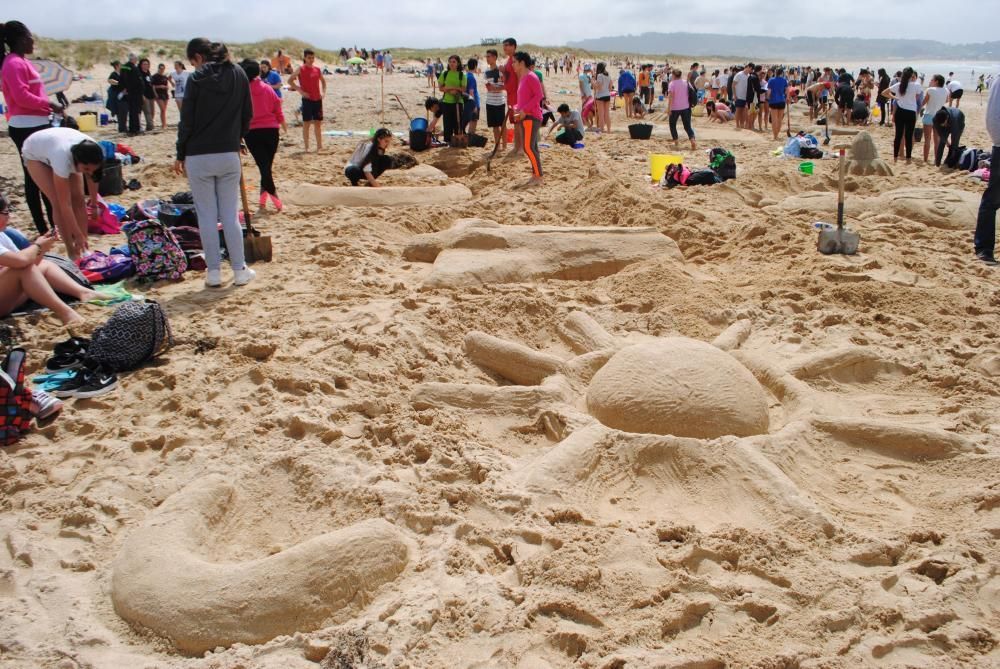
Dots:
{"x": 15, "y": 398}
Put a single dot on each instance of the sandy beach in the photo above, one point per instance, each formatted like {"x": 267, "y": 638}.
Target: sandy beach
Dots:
{"x": 624, "y": 427}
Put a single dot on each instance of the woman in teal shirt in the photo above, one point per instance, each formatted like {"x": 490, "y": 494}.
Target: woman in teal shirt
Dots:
{"x": 452, "y": 83}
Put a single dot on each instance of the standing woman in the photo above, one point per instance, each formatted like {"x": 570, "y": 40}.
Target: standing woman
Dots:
{"x": 452, "y": 83}
{"x": 58, "y": 159}
{"x": 777, "y": 87}
{"x": 179, "y": 80}
{"x": 883, "y": 102}
{"x": 29, "y": 107}
{"x": 262, "y": 138}
{"x": 215, "y": 117}
{"x": 680, "y": 107}
{"x": 602, "y": 86}
{"x": 161, "y": 90}
{"x": 908, "y": 95}
{"x": 147, "y": 93}
{"x": 935, "y": 97}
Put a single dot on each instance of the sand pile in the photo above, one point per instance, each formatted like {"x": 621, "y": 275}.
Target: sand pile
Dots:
{"x": 413, "y": 443}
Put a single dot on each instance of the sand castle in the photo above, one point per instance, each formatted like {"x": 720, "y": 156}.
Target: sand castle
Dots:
{"x": 864, "y": 159}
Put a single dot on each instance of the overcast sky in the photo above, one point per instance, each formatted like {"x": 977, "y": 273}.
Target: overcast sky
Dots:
{"x": 380, "y": 24}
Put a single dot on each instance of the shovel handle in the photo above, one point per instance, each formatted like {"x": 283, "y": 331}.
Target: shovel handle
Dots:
{"x": 840, "y": 191}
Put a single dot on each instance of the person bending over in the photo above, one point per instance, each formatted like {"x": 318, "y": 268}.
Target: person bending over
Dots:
{"x": 718, "y": 112}
{"x": 572, "y": 123}
{"x": 949, "y": 124}
{"x": 369, "y": 161}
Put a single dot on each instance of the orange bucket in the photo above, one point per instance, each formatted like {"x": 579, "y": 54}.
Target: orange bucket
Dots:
{"x": 510, "y": 135}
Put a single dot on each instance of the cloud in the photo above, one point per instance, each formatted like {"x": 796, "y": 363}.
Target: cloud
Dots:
{"x": 421, "y": 24}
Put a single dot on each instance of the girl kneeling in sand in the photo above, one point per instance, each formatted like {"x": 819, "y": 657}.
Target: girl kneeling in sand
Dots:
{"x": 369, "y": 161}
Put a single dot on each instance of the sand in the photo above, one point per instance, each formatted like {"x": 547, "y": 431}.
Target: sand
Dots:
{"x": 394, "y": 448}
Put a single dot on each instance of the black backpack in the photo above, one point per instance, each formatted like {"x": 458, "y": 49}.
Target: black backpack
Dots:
{"x": 811, "y": 152}
{"x": 723, "y": 162}
{"x": 136, "y": 333}
{"x": 703, "y": 178}
{"x": 692, "y": 96}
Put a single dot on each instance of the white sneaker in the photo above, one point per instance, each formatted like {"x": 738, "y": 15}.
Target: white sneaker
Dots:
{"x": 213, "y": 278}
{"x": 242, "y": 277}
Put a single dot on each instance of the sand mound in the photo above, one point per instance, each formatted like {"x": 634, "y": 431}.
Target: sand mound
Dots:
{"x": 161, "y": 581}
{"x": 311, "y": 195}
{"x": 679, "y": 387}
{"x": 864, "y": 157}
{"x": 478, "y": 252}
{"x": 934, "y": 207}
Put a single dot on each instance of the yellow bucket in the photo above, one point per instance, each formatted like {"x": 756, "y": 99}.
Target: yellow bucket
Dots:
{"x": 658, "y": 164}
{"x": 87, "y": 122}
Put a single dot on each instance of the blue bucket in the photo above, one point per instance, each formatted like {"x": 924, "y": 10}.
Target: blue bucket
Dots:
{"x": 418, "y": 124}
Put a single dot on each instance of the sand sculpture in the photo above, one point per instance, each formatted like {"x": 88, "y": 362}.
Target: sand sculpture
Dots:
{"x": 864, "y": 158}
{"x": 160, "y": 580}
{"x": 311, "y": 195}
{"x": 689, "y": 416}
{"x": 934, "y": 207}
{"x": 479, "y": 252}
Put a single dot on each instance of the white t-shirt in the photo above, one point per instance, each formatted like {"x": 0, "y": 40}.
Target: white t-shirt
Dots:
{"x": 7, "y": 245}
{"x": 603, "y": 86}
{"x": 911, "y": 99}
{"x": 954, "y": 85}
{"x": 51, "y": 147}
{"x": 936, "y": 98}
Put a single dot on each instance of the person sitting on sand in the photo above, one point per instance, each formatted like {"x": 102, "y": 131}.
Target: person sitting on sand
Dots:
{"x": 369, "y": 161}
{"x": 860, "y": 113}
{"x": 638, "y": 109}
{"x": 572, "y": 123}
{"x": 433, "y": 107}
{"x": 718, "y": 112}
{"x": 26, "y": 274}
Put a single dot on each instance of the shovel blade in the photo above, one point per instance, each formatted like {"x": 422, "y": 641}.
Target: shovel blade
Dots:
{"x": 838, "y": 241}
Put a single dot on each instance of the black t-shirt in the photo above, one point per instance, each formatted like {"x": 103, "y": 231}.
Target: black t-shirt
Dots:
{"x": 147, "y": 84}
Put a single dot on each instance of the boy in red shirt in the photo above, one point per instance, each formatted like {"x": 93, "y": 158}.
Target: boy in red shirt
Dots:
{"x": 510, "y": 84}
{"x": 309, "y": 80}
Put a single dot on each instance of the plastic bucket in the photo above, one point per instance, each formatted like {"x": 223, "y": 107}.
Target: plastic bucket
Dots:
{"x": 105, "y": 119}
{"x": 510, "y": 135}
{"x": 87, "y": 122}
{"x": 806, "y": 167}
{"x": 418, "y": 124}
{"x": 658, "y": 164}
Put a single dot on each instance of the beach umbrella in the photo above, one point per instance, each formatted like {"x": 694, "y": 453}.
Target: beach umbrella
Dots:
{"x": 55, "y": 77}
{"x": 356, "y": 61}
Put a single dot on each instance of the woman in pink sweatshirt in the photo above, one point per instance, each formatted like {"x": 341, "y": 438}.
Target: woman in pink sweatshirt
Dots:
{"x": 28, "y": 107}
{"x": 262, "y": 140}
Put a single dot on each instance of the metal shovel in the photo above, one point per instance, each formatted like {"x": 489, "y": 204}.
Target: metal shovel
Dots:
{"x": 840, "y": 240}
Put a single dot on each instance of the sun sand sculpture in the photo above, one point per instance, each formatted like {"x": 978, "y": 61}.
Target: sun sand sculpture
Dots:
{"x": 479, "y": 252}
{"x": 864, "y": 158}
{"x": 162, "y": 581}
{"x": 692, "y": 419}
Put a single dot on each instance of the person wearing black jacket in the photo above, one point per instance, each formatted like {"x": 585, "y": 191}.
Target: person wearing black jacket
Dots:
{"x": 215, "y": 116}
{"x": 754, "y": 92}
{"x": 132, "y": 86}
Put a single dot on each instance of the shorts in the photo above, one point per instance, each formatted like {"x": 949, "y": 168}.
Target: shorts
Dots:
{"x": 312, "y": 110}
{"x": 957, "y": 95}
{"x": 776, "y": 105}
{"x": 628, "y": 91}
{"x": 495, "y": 115}
{"x": 740, "y": 103}
{"x": 928, "y": 119}
{"x": 604, "y": 98}
{"x": 646, "y": 90}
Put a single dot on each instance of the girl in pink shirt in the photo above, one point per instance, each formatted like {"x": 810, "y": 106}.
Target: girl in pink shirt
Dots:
{"x": 28, "y": 107}
{"x": 262, "y": 138}
{"x": 680, "y": 107}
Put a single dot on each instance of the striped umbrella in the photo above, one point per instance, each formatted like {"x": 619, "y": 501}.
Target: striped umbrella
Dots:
{"x": 55, "y": 77}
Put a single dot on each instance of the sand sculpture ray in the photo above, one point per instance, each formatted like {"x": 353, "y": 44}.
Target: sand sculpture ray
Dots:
{"x": 690, "y": 416}
{"x": 161, "y": 582}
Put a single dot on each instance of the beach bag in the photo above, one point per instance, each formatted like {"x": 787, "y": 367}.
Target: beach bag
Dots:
{"x": 793, "y": 147}
{"x": 703, "y": 178}
{"x": 155, "y": 251}
{"x": 103, "y": 221}
{"x": 810, "y": 152}
{"x": 188, "y": 237}
{"x": 968, "y": 158}
{"x": 15, "y": 398}
{"x": 692, "y": 96}
{"x": 723, "y": 162}
{"x": 142, "y": 211}
{"x": 100, "y": 267}
{"x": 136, "y": 333}
{"x": 419, "y": 140}
{"x": 478, "y": 141}
{"x": 918, "y": 133}
{"x": 173, "y": 214}
{"x": 675, "y": 175}
{"x": 68, "y": 266}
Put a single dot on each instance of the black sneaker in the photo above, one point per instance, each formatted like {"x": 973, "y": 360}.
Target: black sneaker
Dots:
{"x": 68, "y": 355}
{"x": 986, "y": 257}
{"x": 69, "y": 387}
{"x": 97, "y": 383}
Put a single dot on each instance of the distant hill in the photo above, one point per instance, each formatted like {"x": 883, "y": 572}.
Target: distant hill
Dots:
{"x": 800, "y": 49}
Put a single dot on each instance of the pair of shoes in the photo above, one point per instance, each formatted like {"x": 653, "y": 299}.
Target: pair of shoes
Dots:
{"x": 213, "y": 278}
{"x": 242, "y": 277}
{"x": 88, "y": 382}
{"x": 263, "y": 199}
{"x": 44, "y": 405}
{"x": 277, "y": 203}
{"x": 68, "y": 355}
{"x": 986, "y": 257}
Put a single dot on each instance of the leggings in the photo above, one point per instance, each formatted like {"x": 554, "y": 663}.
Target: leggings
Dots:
{"x": 685, "y": 116}
{"x": 32, "y": 194}
{"x": 263, "y": 144}
{"x": 529, "y": 127}
{"x": 906, "y": 121}
{"x": 882, "y": 105}
{"x": 451, "y": 113}
{"x": 379, "y": 165}
{"x": 215, "y": 187}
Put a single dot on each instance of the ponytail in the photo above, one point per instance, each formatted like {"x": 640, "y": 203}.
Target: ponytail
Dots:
{"x": 212, "y": 52}
{"x": 904, "y": 81}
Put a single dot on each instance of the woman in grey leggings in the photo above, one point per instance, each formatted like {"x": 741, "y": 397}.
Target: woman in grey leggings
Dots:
{"x": 215, "y": 116}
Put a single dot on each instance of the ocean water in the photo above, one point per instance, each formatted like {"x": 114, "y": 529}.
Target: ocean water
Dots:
{"x": 967, "y": 72}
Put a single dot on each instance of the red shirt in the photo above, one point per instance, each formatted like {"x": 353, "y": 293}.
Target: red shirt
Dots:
{"x": 309, "y": 82}
{"x": 510, "y": 81}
